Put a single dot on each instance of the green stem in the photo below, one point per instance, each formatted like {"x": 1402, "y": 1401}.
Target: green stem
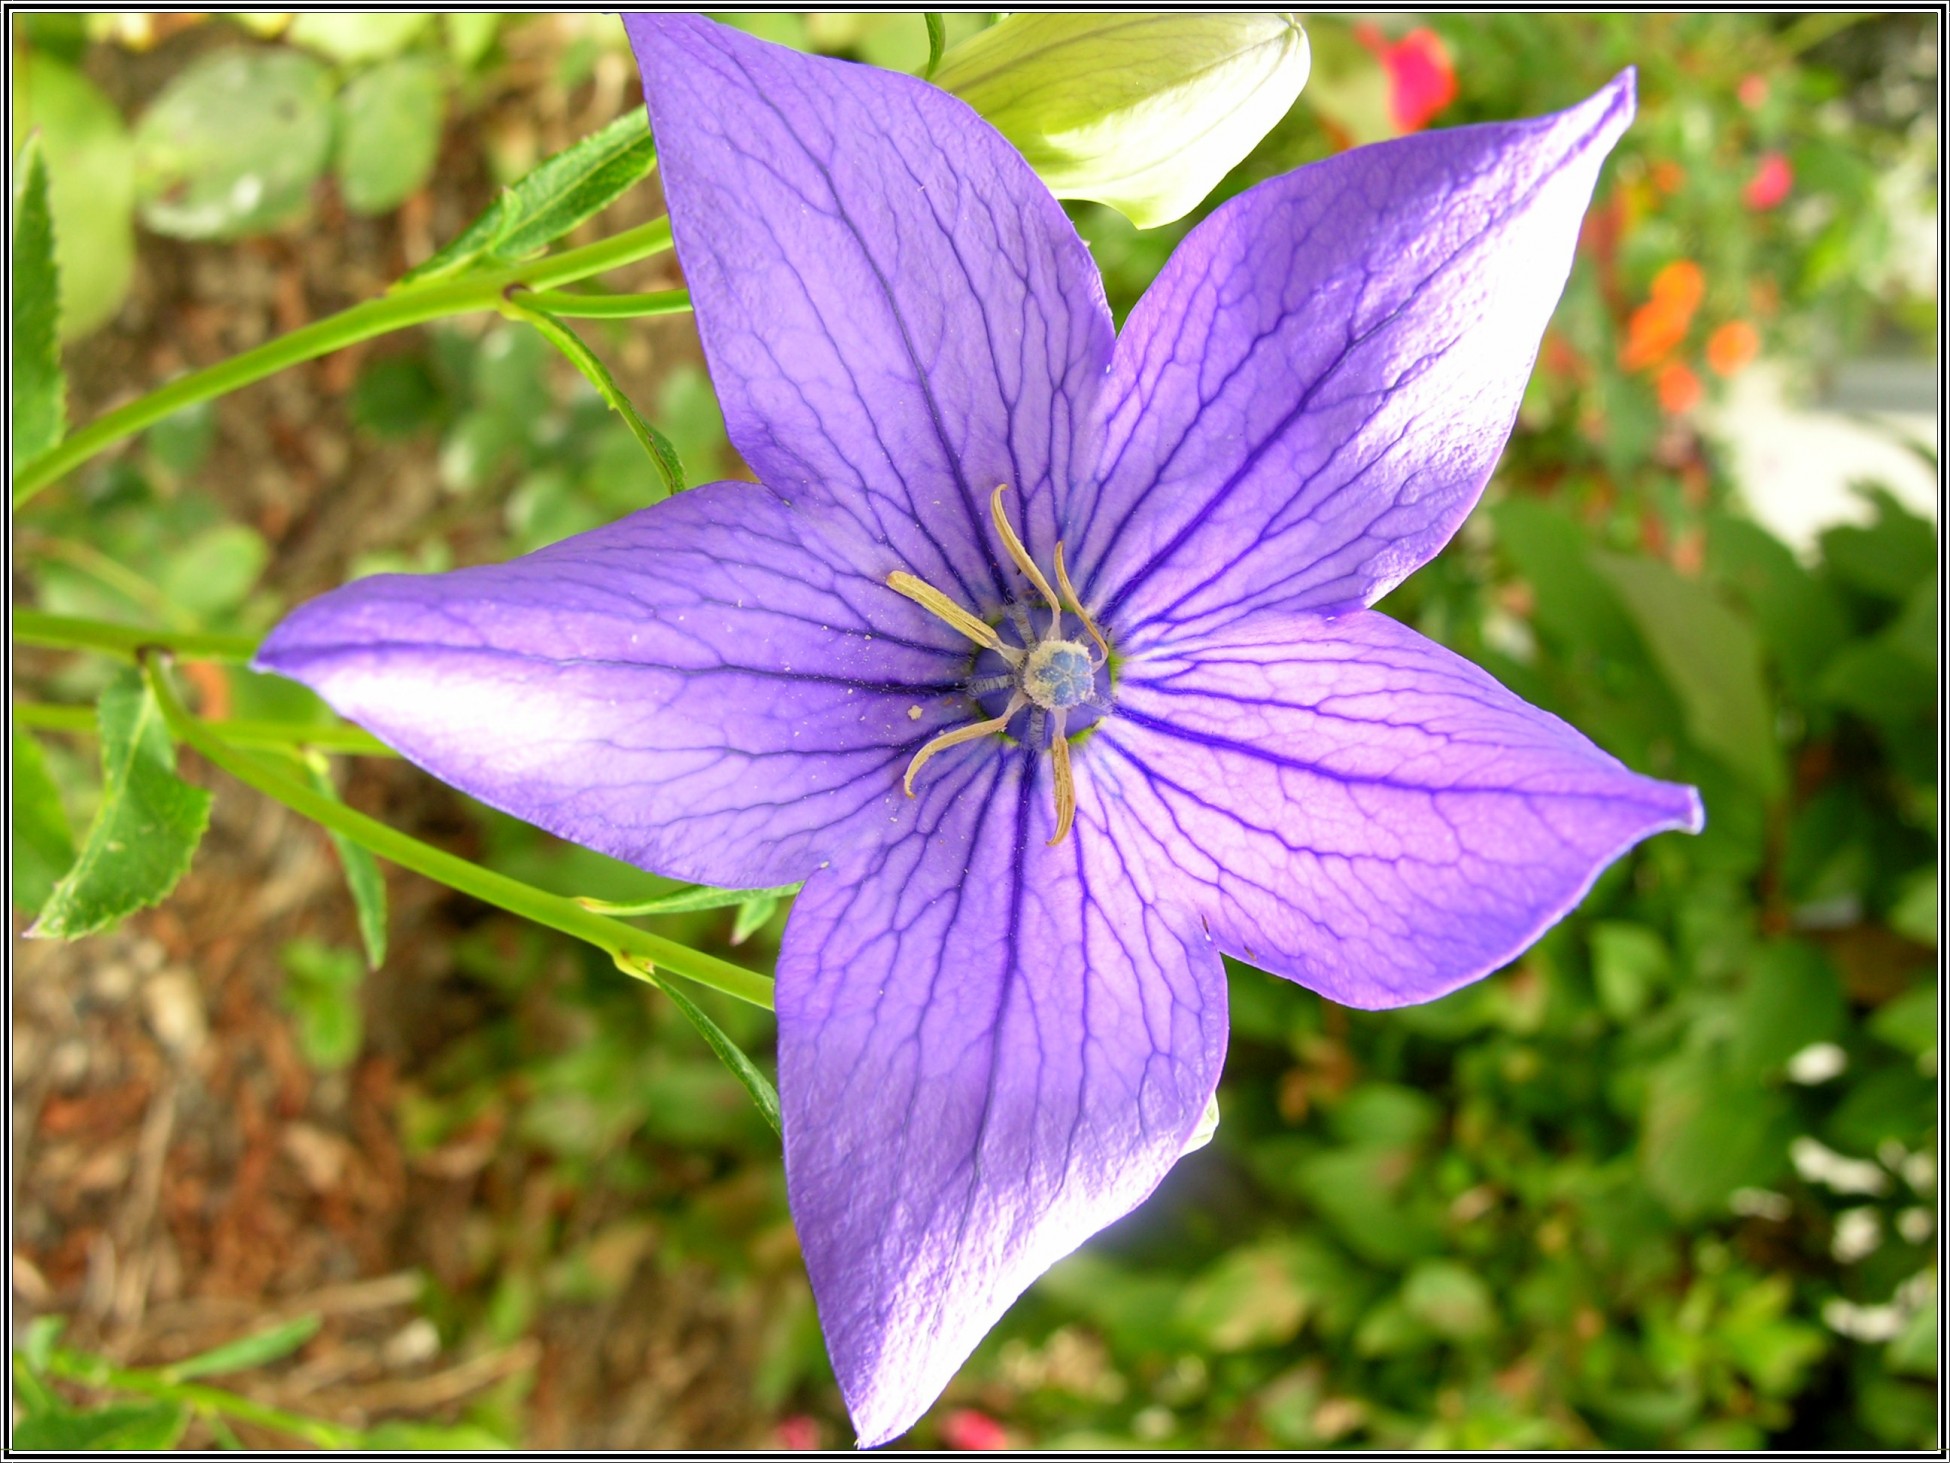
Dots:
{"x": 552, "y": 910}
{"x": 92, "y": 1371}
{"x": 407, "y": 305}
{"x": 69, "y": 632}
{"x": 341, "y": 737}
{"x": 574, "y": 305}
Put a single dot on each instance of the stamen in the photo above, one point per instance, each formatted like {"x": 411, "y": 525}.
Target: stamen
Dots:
{"x": 946, "y": 610}
{"x": 1019, "y": 553}
{"x": 959, "y": 735}
{"x": 1076, "y": 605}
{"x": 1066, "y": 787}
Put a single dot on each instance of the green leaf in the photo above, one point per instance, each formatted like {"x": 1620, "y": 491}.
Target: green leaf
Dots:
{"x": 1707, "y": 1132}
{"x": 233, "y": 145}
{"x": 1797, "y": 614}
{"x": 260, "y": 1349}
{"x": 575, "y": 184}
{"x": 937, "y": 41}
{"x": 214, "y": 571}
{"x": 120, "y": 1427}
{"x": 1710, "y": 658}
{"x": 1450, "y": 1299}
{"x": 1908, "y": 1023}
{"x": 433, "y": 1437}
{"x": 470, "y": 35}
{"x": 1913, "y": 914}
{"x": 1629, "y": 963}
{"x": 36, "y": 1344}
{"x": 727, "y": 1051}
{"x": 321, "y": 991}
{"x": 1889, "y": 557}
{"x": 1250, "y": 1297}
{"x": 683, "y": 901}
{"x": 147, "y": 826}
{"x": 91, "y": 187}
{"x": 40, "y": 390}
{"x": 358, "y": 35}
{"x": 1792, "y": 1000}
{"x": 389, "y": 133}
{"x": 1913, "y": 1352}
{"x": 662, "y": 454}
{"x": 752, "y": 915}
{"x": 43, "y": 844}
{"x": 362, "y": 877}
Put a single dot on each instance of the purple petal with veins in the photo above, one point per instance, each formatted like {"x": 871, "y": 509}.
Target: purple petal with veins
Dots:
{"x": 1351, "y": 805}
{"x": 998, "y": 1028}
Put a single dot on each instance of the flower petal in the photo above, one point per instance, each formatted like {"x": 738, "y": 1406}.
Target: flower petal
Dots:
{"x": 988, "y": 1050}
{"x": 897, "y": 314}
{"x": 1350, "y": 805}
{"x": 709, "y": 689}
{"x": 1308, "y": 400}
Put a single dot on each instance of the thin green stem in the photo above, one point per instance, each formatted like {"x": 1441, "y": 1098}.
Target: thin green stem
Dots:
{"x": 339, "y": 737}
{"x": 70, "y": 632}
{"x": 575, "y": 305}
{"x": 92, "y": 1371}
{"x": 405, "y": 305}
{"x": 552, "y": 910}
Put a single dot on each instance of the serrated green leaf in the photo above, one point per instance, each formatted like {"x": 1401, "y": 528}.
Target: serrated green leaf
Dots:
{"x": 1710, "y": 658}
{"x": 658, "y": 446}
{"x": 119, "y": 1427}
{"x": 389, "y": 133}
{"x": 146, "y": 829}
{"x": 362, "y": 877}
{"x": 43, "y": 844}
{"x": 260, "y": 1349}
{"x": 233, "y": 145}
{"x": 40, "y": 390}
{"x": 559, "y": 193}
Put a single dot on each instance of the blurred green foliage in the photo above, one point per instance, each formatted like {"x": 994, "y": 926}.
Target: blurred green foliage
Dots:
{"x": 1665, "y": 1183}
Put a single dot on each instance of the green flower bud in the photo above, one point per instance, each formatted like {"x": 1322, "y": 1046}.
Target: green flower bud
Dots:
{"x": 1143, "y": 112}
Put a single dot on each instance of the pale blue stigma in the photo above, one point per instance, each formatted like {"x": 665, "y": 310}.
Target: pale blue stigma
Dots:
{"x": 1057, "y": 675}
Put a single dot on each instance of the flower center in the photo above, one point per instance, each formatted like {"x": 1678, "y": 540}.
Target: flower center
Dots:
{"x": 1058, "y": 674}
{"x": 1051, "y": 676}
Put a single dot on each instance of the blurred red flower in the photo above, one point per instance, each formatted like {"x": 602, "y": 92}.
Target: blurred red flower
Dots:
{"x": 1421, "y": 77}
{"x": 1679, "y": 389}
{"x": 1662, "y": 321}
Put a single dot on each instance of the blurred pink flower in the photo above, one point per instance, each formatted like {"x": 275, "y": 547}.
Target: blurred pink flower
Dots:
{"x": 969, "y": 1431}
{"x": 1769, "y": 186}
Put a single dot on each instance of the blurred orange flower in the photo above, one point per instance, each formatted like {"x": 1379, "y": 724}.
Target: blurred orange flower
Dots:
{"x": 1662, "y": 321}
{"x": 1732, "y": 348}
{"x": 1679, "y": 389}
{"x": 1421, "y": 77}
{"x": 1770, "y": 184}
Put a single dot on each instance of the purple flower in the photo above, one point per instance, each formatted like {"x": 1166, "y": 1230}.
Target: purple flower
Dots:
{"x": 1098, "y": 600}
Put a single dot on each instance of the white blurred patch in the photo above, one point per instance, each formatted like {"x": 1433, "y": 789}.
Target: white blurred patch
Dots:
{"x": 1818, "y": 1063}
{"x": 1816, "y": 1162}
{"x": 1858, "y": 1235}
{"x": 1760, "y": 1204}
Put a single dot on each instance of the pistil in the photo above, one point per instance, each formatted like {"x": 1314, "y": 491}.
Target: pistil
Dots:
{"x": 1049, "y": 674}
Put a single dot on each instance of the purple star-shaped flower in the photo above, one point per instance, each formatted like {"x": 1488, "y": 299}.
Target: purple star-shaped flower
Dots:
{"x": 1099, "y": 601}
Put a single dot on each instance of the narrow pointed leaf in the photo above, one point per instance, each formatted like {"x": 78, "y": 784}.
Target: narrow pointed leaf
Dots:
{"x": 669, "y": 468}
{"x": 40, "y": 390}
{"x": 723, "y": 1047}
{"x": 362, "y": 877}
{"x": 937, "y": 41}
{"x": 752, "y": 915}
{"x": 146, "y": 829}
{"x": 683, "y": 901}
{"x": 259, "y": 1349}
{"x": 42, "y": 842}
{"x": 575, "y": 184}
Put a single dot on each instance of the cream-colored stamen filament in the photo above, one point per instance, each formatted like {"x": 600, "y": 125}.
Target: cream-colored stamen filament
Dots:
{"x": 946, "y": 610}
{"x": 959, "y": 735}
{"x": 1066, "y": 787}
{"x": 1017, "y": 551}
{"x": 1076, "y": 604}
